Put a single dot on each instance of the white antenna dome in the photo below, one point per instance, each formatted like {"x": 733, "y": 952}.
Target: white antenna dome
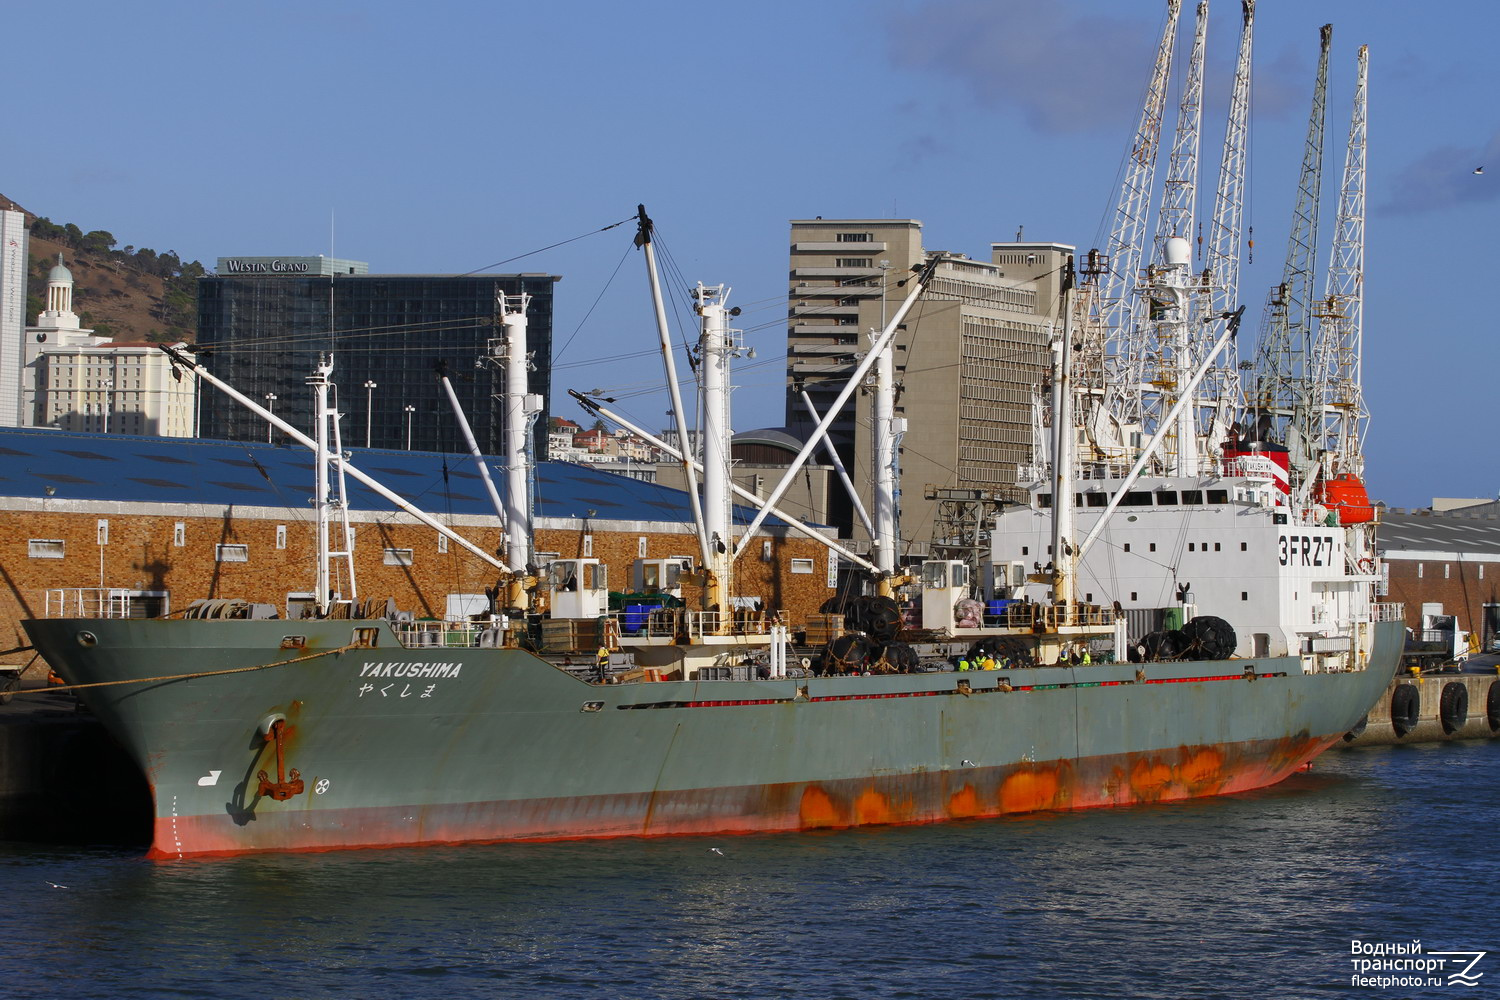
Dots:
{"x": 1179, "y": 252}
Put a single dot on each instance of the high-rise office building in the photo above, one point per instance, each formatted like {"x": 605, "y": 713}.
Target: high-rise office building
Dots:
{"x": 969, "y": 357}
{"x": 265, "y": 320}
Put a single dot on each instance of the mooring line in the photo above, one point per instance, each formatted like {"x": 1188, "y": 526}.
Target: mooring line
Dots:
{"x": 183, "y": 677}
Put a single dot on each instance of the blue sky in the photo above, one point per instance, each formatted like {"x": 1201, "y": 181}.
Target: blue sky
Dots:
{"x": 454, "y": 136}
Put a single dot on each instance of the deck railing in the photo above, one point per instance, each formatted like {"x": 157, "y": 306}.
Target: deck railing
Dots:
{"x": 101, "y": 602}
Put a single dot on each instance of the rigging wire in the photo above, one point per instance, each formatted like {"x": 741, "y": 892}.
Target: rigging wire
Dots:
{"x": 552, "y": 246}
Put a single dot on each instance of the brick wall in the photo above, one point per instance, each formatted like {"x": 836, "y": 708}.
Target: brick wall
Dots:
{"x": 146, "y": 550}
{"x": 1462, "y": 587}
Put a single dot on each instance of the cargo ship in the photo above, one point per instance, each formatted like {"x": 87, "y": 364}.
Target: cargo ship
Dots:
{"x": 353, "y": 729}
{"x": 1159, "y": 620}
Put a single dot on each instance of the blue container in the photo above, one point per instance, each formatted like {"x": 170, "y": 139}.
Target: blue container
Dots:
{"x": 634, "y": 618}
{"x": 996, "y": 609}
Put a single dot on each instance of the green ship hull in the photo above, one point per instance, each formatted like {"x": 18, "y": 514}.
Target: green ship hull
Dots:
{"x": 254, "y": 739}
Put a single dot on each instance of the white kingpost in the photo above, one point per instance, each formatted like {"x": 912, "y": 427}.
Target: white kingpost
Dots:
{"x": 919, "y": 285}
{"x": 518, "y": 416}
{"x": 643, "y": 240}
{"x": 319, "y": 381}
{"x": 883, "y": 462}
{"x": 714, "y": 353}
{"x": 1063, "y": 440}
{"x": 1175, "y": 278}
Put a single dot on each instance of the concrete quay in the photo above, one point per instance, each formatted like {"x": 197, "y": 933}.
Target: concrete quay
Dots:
{"x": 63, "y": 780}
{"x": 1460, "y": 702}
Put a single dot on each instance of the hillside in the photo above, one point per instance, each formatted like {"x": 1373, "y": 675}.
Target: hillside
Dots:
{"x": 130, "y": 293}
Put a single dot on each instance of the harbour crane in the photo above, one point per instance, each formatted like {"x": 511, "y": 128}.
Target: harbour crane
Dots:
{"x": 1108, "y": 299}
{"x": 1337, "y": 389}
{"x": 1280, "y": 407}
{"x": 1219, "y": 289}
{"x": 1166, "y": 349}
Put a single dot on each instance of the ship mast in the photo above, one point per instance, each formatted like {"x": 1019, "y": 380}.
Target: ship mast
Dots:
{"x": 887, "y": 429}
{"x": 521, "y": 409}
{"x": 644, "y": 232}
{"x": 716, "y": 346}
{"x": 325, "y": 504}
{"x": 1063, "y": 473}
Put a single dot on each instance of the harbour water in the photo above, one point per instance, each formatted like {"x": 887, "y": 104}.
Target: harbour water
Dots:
{"x": 1258, "y": 895}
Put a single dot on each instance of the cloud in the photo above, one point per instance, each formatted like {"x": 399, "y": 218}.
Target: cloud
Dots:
{"x": 1444, "y": 178}
{"x": 1074, "y": 70}
{"x": 1061, "y": 70}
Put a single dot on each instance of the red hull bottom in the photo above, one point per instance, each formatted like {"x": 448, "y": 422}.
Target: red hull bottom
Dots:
{"x": 927, "y": 797}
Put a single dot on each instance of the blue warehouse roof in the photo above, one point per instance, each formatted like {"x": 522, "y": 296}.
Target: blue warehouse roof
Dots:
{"x": 76, "y": 466}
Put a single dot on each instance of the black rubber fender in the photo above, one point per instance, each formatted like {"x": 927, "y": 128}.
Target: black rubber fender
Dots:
{"x": 1358, "y": 730}
{"x": 1453, "y": 706}
{"x": 1406, "y": 706}
{"x": 847, "y": 654}
{"x": 1492, "y": 706}
{"x": 1209, "y": 638}
{"x": 899, "y": 656}
{"x": 1158, "y": 646}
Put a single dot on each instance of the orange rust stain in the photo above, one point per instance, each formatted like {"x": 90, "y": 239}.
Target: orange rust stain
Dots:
{"x": 1114, "y": 786}
{"x": 817, "y": 808}
{"x": 1204, "y": 768}
{"x": 1149, "y": 779}
{"x": 964, "y": 803}
{"x": 1030, "y": 791}
{"x": 871, "y": 807}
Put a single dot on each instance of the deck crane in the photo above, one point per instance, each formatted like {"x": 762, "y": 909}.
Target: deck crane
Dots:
{"x": 1166, "y": 348}
{"x": 1106, "y": 300}
{"x": 1219, "y": 288}
{"x": 1279, "y": 403}
{"x": 1341, "y": 416}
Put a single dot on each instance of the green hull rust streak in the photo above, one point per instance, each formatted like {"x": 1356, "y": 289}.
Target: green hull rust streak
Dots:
{"x": 400, "y": 747}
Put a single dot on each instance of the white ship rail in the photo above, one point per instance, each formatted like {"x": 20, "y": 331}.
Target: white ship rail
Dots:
{"x": 669, "y": 622}
{"x": 102, "y": 602}
{"x": 431, "y": 634}
{"x": 1051, "y": 617}
{"x": 1388, "y": 612}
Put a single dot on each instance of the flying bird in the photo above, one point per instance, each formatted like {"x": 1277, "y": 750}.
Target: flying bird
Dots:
{"x": 54, "y": 884}
{"x": 715, "y": 850}
{"x": 1479, "y": 170}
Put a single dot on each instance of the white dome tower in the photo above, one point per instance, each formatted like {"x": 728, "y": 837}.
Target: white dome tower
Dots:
{"x": 59, "y": 314}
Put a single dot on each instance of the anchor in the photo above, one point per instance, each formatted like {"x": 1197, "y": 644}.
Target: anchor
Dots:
{"x": 282, "y": 788}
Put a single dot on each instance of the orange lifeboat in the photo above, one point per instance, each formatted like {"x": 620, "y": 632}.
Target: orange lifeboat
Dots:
{"x": 1346, "y": 494}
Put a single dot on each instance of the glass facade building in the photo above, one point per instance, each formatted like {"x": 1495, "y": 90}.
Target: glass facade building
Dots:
{"x": 263, "y": 334}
